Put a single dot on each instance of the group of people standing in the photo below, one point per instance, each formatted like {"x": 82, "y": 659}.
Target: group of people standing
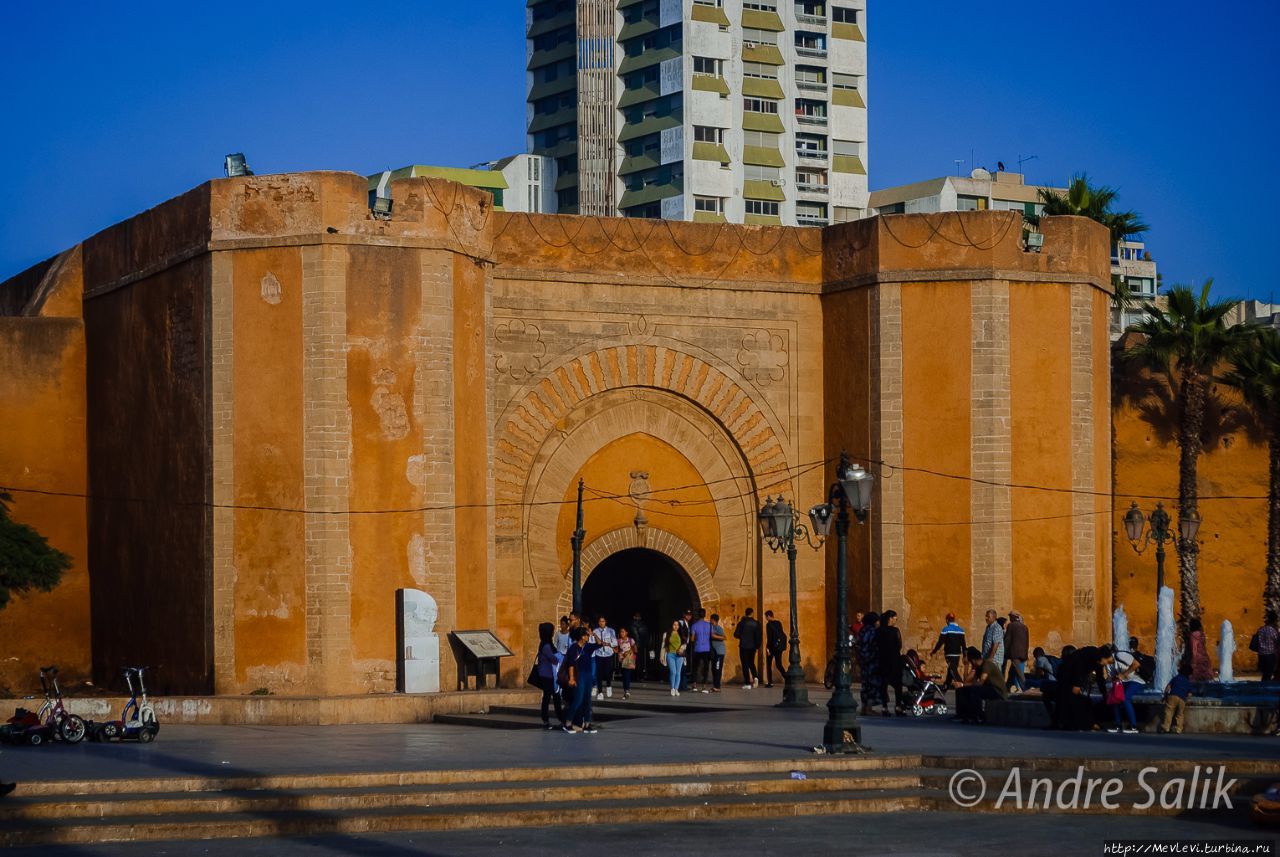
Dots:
{"x": 576, "y": 663}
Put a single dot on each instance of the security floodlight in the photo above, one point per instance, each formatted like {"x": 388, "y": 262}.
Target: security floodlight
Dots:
{"x": 381, "y": 207}
{"x": 1035, "y": 241}
{"x": 235, "y": 165}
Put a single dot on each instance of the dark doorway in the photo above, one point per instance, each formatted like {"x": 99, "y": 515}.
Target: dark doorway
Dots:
{"x": 638, "y": 580}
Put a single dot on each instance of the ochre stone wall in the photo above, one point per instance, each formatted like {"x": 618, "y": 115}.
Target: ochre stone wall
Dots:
{"x": 42, "y": 447}
{"x": 1233, "y": 479}
{"x": 298, "y": 409}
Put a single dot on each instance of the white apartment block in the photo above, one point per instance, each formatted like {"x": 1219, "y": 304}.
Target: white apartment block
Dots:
{"x": 745, "y": 111}
{"x": 1005, "y": 191}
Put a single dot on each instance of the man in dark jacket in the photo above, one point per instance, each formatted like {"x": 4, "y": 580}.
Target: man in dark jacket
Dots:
{"x": 1074, "y": 710}
{"x": 1015, "y": 651}
{"x": 951, "y": 641}
{"x": 775, "y": 640}
{"x": 639, "y": 632}
{"x": 748, "y": 636}
{"x": 889, "y": 646}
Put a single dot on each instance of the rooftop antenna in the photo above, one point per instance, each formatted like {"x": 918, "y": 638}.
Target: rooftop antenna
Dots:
{"x": 1022, "y": 159}
{"x": 959, "y": 165}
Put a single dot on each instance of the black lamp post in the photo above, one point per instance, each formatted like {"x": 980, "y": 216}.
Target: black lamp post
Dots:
{"x": 780, "y": 525}
{"x": 1158, "y": 532}
{"x": 850, "y": 491}
{"x": 576, "y": 540}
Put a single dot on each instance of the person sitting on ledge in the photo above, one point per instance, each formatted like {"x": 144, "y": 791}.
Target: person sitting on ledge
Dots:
{"x": 987, "y": 683}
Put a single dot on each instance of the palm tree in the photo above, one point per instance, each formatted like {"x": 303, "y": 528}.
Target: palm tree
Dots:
{"x": 1257, "y": 375}
{"x": 1186, "y": 343}
{"x": 1083, "y": 199}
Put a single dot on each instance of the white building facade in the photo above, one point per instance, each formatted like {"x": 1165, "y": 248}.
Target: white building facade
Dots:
{"x": 1004, "y": 191}
{"x": 745, "y": 111}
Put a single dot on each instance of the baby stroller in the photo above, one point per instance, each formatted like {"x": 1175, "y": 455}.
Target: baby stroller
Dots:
{"x": 922, "y": 689}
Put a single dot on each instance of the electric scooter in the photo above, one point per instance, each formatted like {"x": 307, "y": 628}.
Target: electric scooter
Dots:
{"x": 138, "y": 720}
{"x": 64, "y": 725}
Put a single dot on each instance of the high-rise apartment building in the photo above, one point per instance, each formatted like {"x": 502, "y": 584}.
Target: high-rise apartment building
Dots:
{"x": 746, "y": 111}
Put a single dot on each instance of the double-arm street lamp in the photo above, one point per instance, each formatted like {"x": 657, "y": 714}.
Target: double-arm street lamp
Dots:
{"x": 851, "y": 492}
{"x": 1140, "y": 535}
{"x": 781, "y": 526}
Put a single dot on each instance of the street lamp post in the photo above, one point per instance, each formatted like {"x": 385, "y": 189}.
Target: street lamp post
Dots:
{"x": 576, "y": 540}
{"x": 850, "y": 492}
{"x": 1141, "y": 536}
{"x": 780, "y": 524}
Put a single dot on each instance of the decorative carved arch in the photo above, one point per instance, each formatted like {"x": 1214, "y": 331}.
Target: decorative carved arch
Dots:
{"x": 540, "y": 411}
{"x": 666, "y": 543}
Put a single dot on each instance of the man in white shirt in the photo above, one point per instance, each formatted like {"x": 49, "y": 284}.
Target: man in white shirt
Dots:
{"x": 607, "y": 639}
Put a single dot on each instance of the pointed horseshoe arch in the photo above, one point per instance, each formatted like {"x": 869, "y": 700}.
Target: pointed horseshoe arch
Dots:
{"x": 624, "y": 538}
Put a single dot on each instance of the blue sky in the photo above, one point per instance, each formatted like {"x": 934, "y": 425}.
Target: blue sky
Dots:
{"x": 112, "y": 108}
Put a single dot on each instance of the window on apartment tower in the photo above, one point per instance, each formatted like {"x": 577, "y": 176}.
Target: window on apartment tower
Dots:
{"x": 844, "y": 81}
{"x": 708, "y": 134}
{"x": 713, "y": 204}
{"x": 759, "y": 37}
{"x": 759, "y": 105}
{"x": 707, "y": 65}
{"x": 761, "y": 139}
{"x": 762, "y": 206}
{"x": 844, "y": 15}
{"x": 761, "y": 5}
{"x": 759, "y": 69}
{"x": 757, "y": 173}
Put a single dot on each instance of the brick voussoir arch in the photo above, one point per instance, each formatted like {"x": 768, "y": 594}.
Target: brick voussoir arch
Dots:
{"x": 539, "y": 410}
{"x": 626, "y": 538}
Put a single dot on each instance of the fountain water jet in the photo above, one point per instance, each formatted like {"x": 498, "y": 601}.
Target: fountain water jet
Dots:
{"x": 1164, "y": 638}
{"x": 1226, "y": 648}
{"x": 1120, "y": 629}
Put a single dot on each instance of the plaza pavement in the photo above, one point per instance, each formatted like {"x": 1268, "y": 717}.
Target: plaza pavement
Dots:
{"x": 751, "y": 730}
{"x": 754, "y": 729}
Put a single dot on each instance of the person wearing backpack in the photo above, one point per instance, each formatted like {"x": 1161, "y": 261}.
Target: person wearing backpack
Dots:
{"x": 1264, "y": 643}
{"x": 1125, "y": 682}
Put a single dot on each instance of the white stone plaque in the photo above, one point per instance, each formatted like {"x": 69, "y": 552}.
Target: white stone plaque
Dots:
{"x": 419, "y": 656}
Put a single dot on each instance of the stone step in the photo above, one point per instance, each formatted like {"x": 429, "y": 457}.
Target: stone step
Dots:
{"x": 600, "y": 713}
{"x": 471, "y": 817}
{"x": 602, "y": 792}
{"x": 394, "y": 779}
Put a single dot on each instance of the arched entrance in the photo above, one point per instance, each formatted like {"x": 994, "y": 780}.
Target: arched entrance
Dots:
{"x": 638, "y": 580}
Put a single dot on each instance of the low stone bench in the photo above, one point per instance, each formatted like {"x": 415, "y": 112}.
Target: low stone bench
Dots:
{"x": 1206, "y": 715}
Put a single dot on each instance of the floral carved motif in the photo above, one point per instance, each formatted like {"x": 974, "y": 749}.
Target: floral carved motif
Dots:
{"x": 763, "y": 357}
{"x": 520, "y": 349}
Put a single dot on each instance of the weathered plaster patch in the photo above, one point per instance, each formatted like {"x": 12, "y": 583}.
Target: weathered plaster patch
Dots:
{"x": 385, "y": 377}
{"x": 271, "y": 289}
{"x": 418, "y": 559}
{"x": 393, "y": 416}
{"x": 415, "y": 470}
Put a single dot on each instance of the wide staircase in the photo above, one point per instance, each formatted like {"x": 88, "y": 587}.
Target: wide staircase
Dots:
{"x": 194, "y": 808}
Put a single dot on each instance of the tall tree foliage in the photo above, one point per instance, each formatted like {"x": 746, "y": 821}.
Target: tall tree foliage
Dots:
{"x": 27, "y": 561}
{"x": 1187, "y": 343}
{"x": 1095, "y": 202}
{"x": 1256, "y": 374}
